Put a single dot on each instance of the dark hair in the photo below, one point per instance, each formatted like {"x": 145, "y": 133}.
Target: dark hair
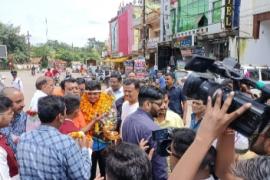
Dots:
{"x": 92, "y": 85}
{"x": 116, "y": 75}
{"x": 149, "y": 93}
{"x": 72, "y": 103}
{"x": 181, "y": 140}
{"x": 135, "y": 82}
{"x": 5, "y": 103}
{"x": 128, "y": 162}
{"x": 49, "y": 107}
{"x": 13, "y": 72}
{"x": 41, "y": 81}
{"x": 80, "y": 81}
{"x": 170, "y": 74}
{"x": 67, "y": 80}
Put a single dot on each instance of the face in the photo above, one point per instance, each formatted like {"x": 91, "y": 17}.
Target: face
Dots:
{"x": 131, "y": 76}
{"x": 72, "y": 89}
{"x": 156, "y": 106}
{"x": 115, "y": 84}
{"x": 6, "y": 117}
{"x": 163, "y": 109}
{"x": 159, "y": 74}
{"x": 169, "y": 80}
{"x": 198, "y": 107}
{"x": 82, "y": 88}
{"x": 93, "y": 96}
{"x": 18, "y": 101}
{"x": 131, "y": 93}
{"x": 48, "y": 87}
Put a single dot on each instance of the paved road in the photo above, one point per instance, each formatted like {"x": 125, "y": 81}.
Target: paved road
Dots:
{"x": 28, "y": 83}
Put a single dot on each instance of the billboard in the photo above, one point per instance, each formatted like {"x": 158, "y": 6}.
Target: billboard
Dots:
{"x": 114, "y": 36}
{"x": 3, "y": 51}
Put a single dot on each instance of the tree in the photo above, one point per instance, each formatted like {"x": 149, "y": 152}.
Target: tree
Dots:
{"x": 16, "y": 43}
{"x": 45, "y": 52}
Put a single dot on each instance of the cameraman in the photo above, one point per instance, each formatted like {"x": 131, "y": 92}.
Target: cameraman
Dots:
{"x": 182, "y": 138}
{"x": 214, "y": 123}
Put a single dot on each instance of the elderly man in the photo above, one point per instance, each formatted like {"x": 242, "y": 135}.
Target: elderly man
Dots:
{"x": 18, "y": 123}
{"x": 44, "y": 86}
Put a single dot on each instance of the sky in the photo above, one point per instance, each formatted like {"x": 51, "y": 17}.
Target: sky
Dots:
{"x": 69, "y": 21}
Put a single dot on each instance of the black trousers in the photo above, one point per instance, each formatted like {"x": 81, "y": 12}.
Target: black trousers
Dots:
{"x": 98, "y": 157}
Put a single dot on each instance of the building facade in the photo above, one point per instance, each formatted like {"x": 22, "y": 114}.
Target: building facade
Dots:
{"x": 254, "y": 35}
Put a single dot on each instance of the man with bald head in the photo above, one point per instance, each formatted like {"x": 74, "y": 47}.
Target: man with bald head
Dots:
{"x": 44, "y": 86}
{"x": 18, "y": 124}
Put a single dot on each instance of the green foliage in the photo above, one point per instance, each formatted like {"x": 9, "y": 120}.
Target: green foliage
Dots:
{"x": 18, "y": 48}
{"x": 16, "y": 43}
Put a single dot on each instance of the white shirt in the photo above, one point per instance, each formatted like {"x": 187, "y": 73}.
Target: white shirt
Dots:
{"x": 117, "y": 94}
{"x": 34, "y": 102}
{"x": 17, "y": 83}
{"x": 127, "y": 109}
{"x": 4, "y": 169}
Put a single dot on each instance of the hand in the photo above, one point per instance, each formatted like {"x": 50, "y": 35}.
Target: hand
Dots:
{"x": 217, "y": 119}
{"x": 83, "y": 142}
{"x": 99, "y": 177}
{"x": 144, "y": 147}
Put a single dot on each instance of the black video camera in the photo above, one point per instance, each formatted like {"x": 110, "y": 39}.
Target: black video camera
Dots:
{"x": 202, "y": 84}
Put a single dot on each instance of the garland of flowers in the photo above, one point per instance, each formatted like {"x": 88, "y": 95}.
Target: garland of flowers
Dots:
{"x": 103, "y": 105}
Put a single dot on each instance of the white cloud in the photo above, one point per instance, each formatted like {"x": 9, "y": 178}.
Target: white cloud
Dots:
{"x": 70, "y": 21}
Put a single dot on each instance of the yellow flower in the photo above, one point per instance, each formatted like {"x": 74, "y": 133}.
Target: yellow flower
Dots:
{"x": 103, "y": 105}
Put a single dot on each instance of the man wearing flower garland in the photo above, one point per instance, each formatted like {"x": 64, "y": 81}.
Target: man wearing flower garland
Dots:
{"x": 95, "y": 103}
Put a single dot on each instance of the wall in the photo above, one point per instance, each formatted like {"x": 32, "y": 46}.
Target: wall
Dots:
{"x": 254, "y": 51}
{"x": 257, "y": 52}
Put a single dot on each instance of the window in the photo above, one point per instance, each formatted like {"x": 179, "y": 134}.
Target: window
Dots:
{"x": 265, "y": 74}
{"x": 216, "y": 16}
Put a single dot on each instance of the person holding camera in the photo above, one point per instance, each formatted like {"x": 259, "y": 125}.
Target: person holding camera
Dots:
{"x": 140, "y": 124}
{"x": 214, "y": 123}
{"x": 182, "y": 138}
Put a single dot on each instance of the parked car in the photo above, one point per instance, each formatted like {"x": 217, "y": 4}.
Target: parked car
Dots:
{"x": 258, "y": 73}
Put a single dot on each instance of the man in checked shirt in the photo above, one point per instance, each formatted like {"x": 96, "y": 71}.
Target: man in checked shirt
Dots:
{"x": 45, "y": 153}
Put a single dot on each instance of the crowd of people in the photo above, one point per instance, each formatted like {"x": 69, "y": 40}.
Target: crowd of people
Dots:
{"x": 63, "y": 134}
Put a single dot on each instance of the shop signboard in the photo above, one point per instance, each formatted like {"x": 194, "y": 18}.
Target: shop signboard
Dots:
{"x": 184, "y": 41}
{"x": 228, "y": 13}
{"x": 139, "y": 67}
{"x": 128, "y": 67}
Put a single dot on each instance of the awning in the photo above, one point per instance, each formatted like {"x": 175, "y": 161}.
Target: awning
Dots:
{"x": 116, "y": 60}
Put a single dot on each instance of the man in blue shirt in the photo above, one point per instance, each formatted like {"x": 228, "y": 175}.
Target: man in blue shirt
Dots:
{"x": 18, "y": 124}
{"x": 177, "y": 101}
{"x": 140, "y": 124}
{"x": 45, "y": 153}
{"x": 198, "y": 110}
{"x": 161, "y": 80}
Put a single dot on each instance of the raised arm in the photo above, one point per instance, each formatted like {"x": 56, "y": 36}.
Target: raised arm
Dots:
{"x": 214, "y": 123}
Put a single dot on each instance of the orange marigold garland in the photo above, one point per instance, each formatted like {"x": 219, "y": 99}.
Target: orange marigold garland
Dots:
{"x": 103, "y": 105}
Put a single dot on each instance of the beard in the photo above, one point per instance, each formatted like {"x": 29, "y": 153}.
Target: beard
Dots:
{"x": 153, "y": 112}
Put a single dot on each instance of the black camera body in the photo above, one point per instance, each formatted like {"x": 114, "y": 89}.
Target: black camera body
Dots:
{"x": 200, "y": 86}
{"x": 163, "y": 137}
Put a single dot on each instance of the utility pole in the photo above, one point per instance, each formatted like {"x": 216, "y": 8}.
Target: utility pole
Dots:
{"x": 28, "y": 43}
{"x": 144, "y": 30}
